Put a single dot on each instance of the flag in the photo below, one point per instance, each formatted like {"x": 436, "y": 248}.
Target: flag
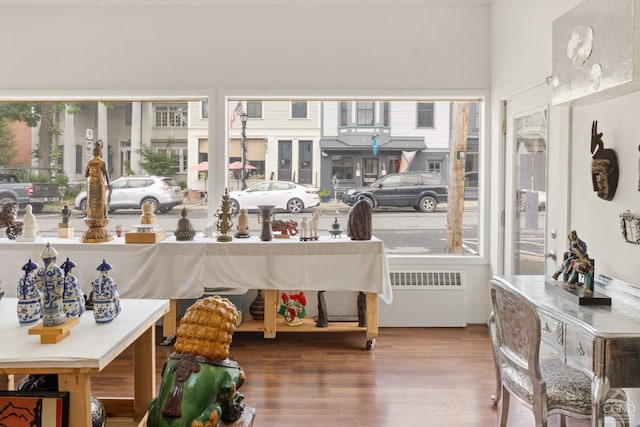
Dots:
{"x": 406, "y": 160}
{"x": 238, "y": 110}
{"x": 375, "y": 144}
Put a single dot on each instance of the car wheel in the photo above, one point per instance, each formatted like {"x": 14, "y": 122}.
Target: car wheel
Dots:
{"x": 83, "y": 206}
{"x": 428, "y": 204}
{"x": 165, "y": 210}
{"x": 154, "y": 202}
{"x": 368, "y": 200}
{"x": 295, "y": 206}
{"x": 37, "y": 208}
{"x": 234, "y": 206}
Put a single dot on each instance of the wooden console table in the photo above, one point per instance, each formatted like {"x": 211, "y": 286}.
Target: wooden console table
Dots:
{"x": 88, "y": 349}
{"x": 181, "y": 270}
{"x": 602, "y": 341}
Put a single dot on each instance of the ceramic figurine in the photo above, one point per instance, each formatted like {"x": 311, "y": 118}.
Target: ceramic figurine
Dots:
{"x": 9, "y": 219}
{"x": 185, "y": 230}
{"x": 106, "y": 301}
{"x": 313, "y": 225}
{"x": 304, "y": 229}
{"x": 577, "y": 249}
{"x": 50, "y": 283}
{"x": 242, "y": 229}
{"x": 200, "y": 383}
{"x": 73, "y": 299}
{"x": 293, "y": 308}
{"x": 29, "y": 297}
{"x": 284, "y": 228}
{"x": 147, "y": 217}
{"x": 30, "y": 229}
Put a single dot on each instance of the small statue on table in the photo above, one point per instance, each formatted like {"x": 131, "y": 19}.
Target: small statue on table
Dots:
{"x": 98, "y": 198}
{"x": 147, "y": 217}
{"x": 50, "y": 283}
{"x": 106, "y": 300}
{"x": 224, "y": 223}
{"x": 29, "y": 297}
{"x": 185, "y": 230}
{"x": 73, "y": 299}
{"x": 359, "y": 222}
{"x": 242, "y": 229}
{"x": 9, "y": 219}
{"x": 65, "y": 230}
{"x": 30, "y": 229}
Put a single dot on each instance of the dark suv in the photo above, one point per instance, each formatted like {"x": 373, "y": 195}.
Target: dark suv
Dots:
{"x": 420, "y": 190}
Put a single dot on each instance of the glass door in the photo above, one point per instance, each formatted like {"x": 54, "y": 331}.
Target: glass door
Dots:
{"x": 526, "y": 182}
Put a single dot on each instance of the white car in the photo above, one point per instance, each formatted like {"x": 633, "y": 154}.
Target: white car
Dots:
{"x": 282, "y": 194}
{"x": 131, "y": 192}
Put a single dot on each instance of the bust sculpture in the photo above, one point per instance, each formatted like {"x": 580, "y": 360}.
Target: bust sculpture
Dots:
{"x": 147, "y": 217}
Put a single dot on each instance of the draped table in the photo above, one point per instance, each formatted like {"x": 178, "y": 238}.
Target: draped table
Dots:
{"x": 178, "y": 270}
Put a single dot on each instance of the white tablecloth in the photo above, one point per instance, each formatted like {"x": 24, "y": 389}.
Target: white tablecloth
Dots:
{"x": 180, "y": 270}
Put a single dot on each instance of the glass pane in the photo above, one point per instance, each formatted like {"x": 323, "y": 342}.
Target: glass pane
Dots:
{"x": 531, "y": 163}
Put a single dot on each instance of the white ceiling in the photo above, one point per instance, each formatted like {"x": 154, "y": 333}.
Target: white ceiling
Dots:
{"x": 239, "y": 2}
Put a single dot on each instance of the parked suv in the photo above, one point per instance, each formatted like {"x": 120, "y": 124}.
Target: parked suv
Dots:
{"x": 134, "y": 191}
{"x": 420, "y": 190}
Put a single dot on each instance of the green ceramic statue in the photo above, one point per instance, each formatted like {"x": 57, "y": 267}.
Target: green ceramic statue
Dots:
{"x": 199, "y": 382}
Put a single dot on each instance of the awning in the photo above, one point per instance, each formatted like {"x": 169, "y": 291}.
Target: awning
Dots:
{"x": 364, "y": 143}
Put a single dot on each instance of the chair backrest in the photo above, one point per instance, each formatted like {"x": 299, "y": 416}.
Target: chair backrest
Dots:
{"x": 517, "y": 331}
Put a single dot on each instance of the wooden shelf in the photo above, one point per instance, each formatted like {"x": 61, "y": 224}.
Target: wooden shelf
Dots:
{"x": 309, "y": 325}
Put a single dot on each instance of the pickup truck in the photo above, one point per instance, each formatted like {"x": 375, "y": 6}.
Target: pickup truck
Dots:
{"x": 23, "y": 193}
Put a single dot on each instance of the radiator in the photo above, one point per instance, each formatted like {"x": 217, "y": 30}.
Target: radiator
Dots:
{"x": 425, "y": 298}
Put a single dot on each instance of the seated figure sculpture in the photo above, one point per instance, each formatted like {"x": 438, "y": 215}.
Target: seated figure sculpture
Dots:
{"x": 577, "y": 250}
{"x": 199, "y": 381}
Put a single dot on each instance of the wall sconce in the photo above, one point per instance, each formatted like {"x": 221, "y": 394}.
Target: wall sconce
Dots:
{"x": 460, "y": 155}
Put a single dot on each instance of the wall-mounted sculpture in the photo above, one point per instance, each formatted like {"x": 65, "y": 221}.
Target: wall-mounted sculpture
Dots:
{"x": 604, "y": 166}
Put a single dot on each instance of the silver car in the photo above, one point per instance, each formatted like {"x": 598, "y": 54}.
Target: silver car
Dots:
{"x": 282, "y": 194}
{"x": 131, "y": 192}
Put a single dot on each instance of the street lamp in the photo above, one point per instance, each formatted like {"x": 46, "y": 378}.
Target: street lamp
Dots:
{"x": 243, "y": 118}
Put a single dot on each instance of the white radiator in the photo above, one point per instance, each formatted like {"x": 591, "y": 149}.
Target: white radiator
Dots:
{"x": 425, "y": 298}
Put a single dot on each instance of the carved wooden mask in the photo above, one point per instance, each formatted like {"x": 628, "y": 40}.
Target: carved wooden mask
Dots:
{"x": 604, "y": 166}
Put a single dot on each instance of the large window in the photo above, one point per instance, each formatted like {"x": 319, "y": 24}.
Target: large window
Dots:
{"x": 178, "y": 156}
{"x": 343, "y": 167}
{"x": 254, "y": 109}
{"x": 344, "y": 113}
{"x": 171, "y": 115}
{"x": 299, "y": 110}
{"x": 425, "y": 114}
{"x": 366, "y": 114}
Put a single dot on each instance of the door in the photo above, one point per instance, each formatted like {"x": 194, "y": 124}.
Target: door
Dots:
{"x": 284, "y": 160}
{"x": 526, "y": 148}
{"x": 305, "y": 162}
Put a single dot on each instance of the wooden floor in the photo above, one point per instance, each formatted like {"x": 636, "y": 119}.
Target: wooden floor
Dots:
{"x": 413, "y": 377}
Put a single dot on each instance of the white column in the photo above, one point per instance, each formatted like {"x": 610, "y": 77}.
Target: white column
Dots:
{"x": 146, "y": 127}
{"x": 136, "y": 136}
{"x": 69, "y": 143}
{"x": 103, "y": 133}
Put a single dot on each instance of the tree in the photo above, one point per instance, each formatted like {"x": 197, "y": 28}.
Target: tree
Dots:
{"x": 8, "y": 150}
{"x": 158, "y": 162}
{"x": 34, "y": 114}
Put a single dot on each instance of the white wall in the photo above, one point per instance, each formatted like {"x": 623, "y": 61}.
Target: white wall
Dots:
{"x": 521, "y": 58}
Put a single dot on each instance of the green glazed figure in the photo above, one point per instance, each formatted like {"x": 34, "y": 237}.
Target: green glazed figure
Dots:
{"x": 199, "y": 382}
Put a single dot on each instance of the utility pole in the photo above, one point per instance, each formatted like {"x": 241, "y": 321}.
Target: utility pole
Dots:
{"x": 457, "y": 159}
{"x": 243, "y": 118}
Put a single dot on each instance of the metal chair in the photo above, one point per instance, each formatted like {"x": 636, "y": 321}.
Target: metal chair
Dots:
{"x": 543, "y": 383}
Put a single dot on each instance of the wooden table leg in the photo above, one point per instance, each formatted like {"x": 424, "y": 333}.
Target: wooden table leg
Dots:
{"x": 144, "y": 354}
{"x": 170, "y": 319}
{"x": 7, "y": 382}
{"x": 270, "y": 309}
{"x": 79, "y": 388}
{"x": 372, "y": 315}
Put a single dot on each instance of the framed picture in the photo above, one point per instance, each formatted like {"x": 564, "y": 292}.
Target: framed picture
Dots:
{"x": 34, "y": 408}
